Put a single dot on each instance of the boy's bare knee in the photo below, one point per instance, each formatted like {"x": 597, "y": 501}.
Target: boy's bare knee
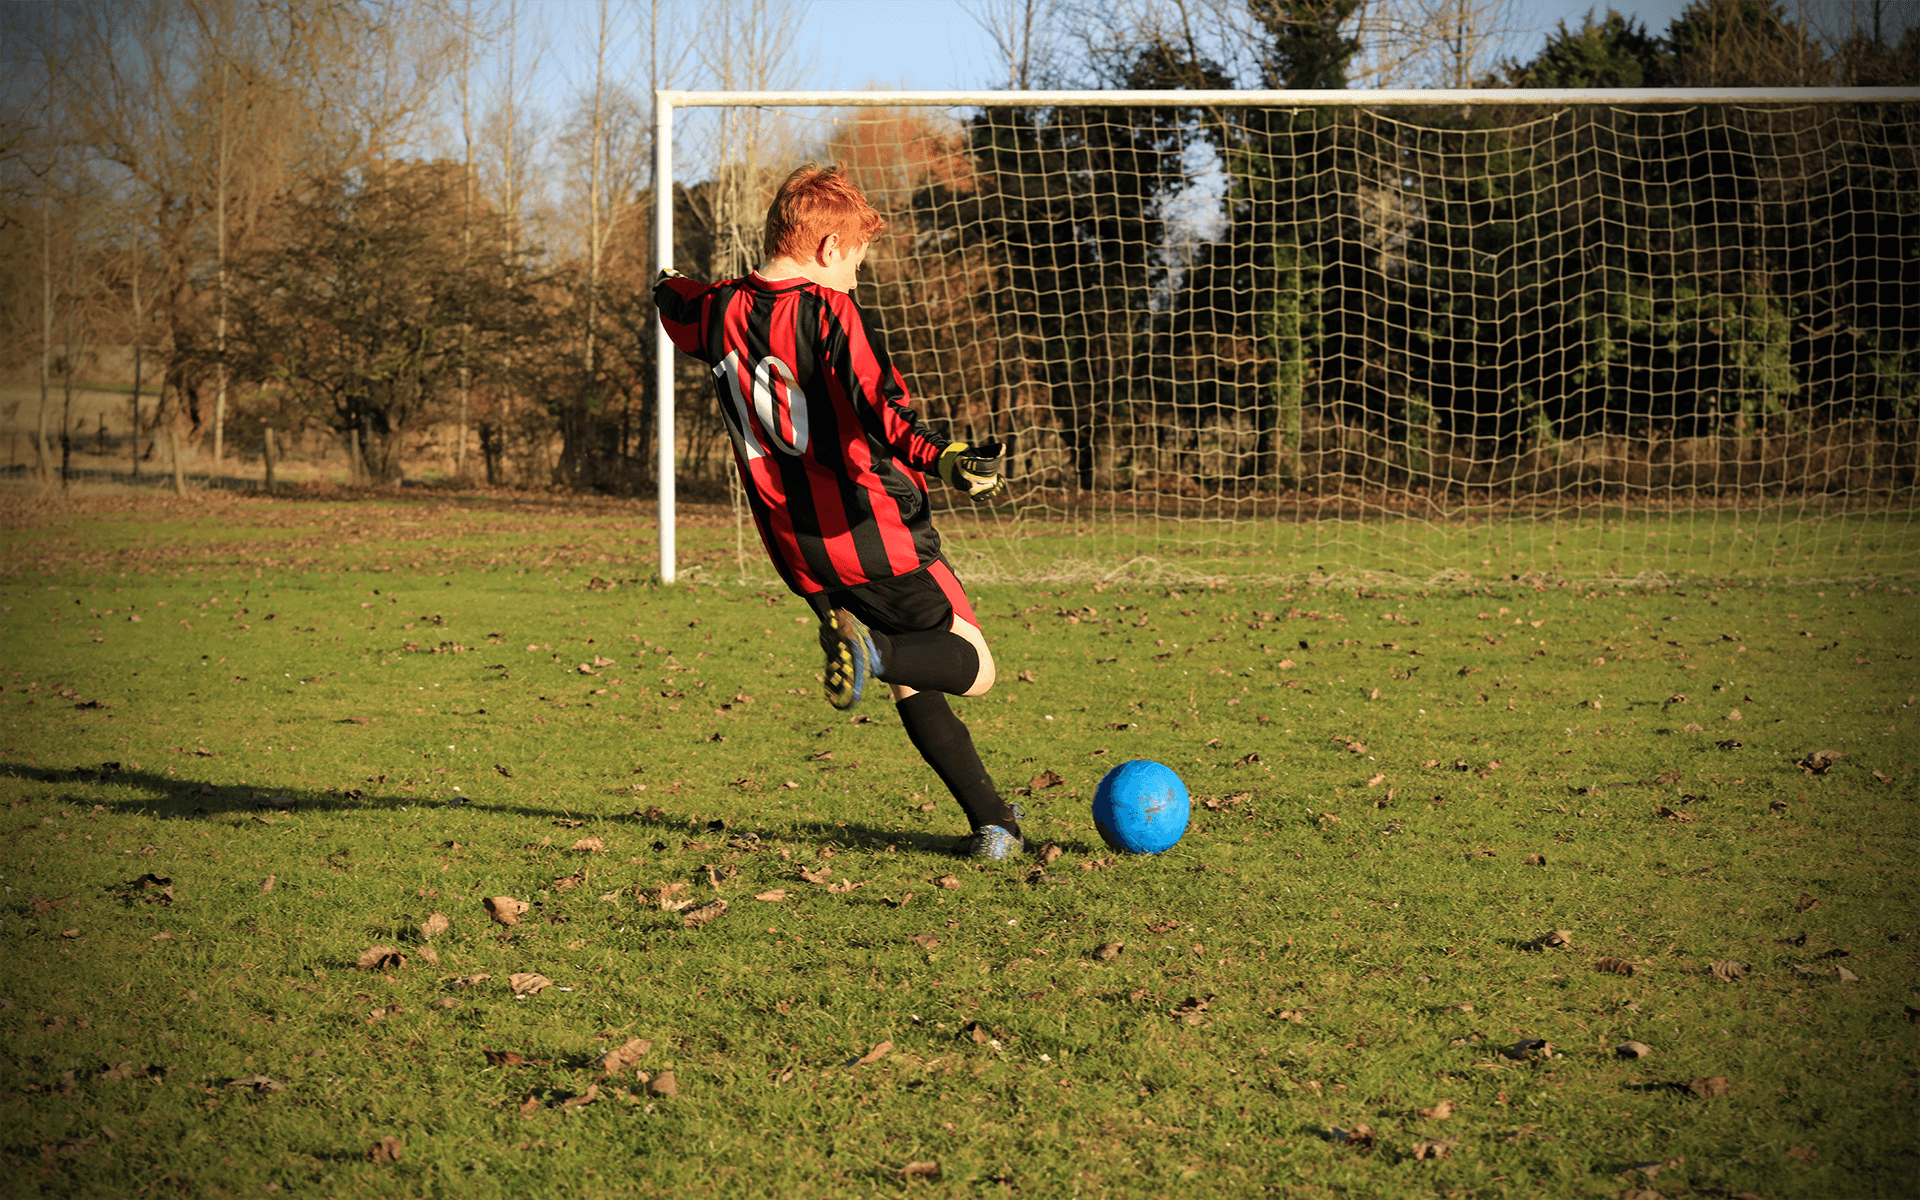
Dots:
{"x": 983, "y": 680}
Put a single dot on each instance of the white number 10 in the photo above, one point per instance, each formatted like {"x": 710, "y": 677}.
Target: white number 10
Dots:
{"x": 774, "y": 390}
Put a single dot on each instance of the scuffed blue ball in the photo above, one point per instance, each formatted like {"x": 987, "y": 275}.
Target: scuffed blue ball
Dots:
{"x": 1141, "y": 807}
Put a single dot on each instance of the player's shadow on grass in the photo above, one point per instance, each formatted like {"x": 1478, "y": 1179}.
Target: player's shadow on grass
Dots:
{"x": 187, "y": 798}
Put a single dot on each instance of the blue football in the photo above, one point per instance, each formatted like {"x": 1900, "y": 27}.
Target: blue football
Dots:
{"x": 1141, "y": 807}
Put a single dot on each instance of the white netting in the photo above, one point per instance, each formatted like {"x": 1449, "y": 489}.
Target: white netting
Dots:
{"x": 1346, "y": 344}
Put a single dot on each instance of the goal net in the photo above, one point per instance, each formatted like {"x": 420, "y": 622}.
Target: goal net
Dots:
{"x": 1342, "y": 337}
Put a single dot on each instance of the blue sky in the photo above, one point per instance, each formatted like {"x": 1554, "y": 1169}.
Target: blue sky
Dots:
{"x": 934, "y": 45}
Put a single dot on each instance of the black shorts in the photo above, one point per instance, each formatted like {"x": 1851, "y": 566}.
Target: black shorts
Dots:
{"x": 927, "y": 600}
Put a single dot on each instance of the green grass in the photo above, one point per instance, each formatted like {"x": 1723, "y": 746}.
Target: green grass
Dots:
{"x": 408, "y": 673}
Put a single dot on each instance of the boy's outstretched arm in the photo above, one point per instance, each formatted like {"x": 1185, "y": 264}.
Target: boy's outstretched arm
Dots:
{"x": 683, "y": 310}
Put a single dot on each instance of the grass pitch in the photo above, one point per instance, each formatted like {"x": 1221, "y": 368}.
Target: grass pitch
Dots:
{"x": 1450, "y": 852}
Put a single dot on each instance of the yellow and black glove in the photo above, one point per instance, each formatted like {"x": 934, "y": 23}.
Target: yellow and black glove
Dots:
{"x": 975, "y": 468}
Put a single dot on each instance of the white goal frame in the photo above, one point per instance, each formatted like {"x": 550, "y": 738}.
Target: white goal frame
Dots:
{"x": 669, "y": 101}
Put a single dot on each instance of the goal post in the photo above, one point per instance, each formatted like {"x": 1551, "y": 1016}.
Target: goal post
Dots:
{"x": 1430, "y": 335}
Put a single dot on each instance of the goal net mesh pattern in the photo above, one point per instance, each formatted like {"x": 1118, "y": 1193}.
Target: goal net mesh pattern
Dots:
{"x": 1333, "y": 344}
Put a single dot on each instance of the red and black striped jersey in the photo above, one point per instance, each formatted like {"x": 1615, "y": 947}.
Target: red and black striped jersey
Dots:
{"x": 829, "y": 453}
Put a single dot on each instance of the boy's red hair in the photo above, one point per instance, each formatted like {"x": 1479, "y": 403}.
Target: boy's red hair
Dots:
{"x": 816, "y": 201}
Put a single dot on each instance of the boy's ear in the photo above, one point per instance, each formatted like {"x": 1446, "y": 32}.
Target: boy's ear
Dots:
{"x": 830, "y": 242}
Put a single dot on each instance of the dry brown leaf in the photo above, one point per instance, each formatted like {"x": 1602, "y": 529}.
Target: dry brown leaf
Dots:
{"x": 1361, "y": 1135}
{"x": 1805, "y": 902}
{"x": 1044, "y": 780}
{"x": 1632, "y": 1050}
{"x": 920, "y": 1170}
{"x": 435, "y": 925}
{"x": 528, "y": 983}
{"x": 259, "y": 1084}
{"x": 696, "y": 917}
{"x": 975, "y": 1032}
{"x": 1559, "y": 937}
{"x": 1672, "y": 815}
{"x": 664, "y": 1086}
{"x": 1430, "y": 1151}
{"x": 1727, "y": 970}
{"x": 1614, "y": 966}
{"x": 844, "y": 886}
{"x": 1110, "y": 950}
{"x": 1846, "y": 976}
{"x": 624, "y": 1057}
{"x": 583, "y": 1099}
{"x": 1050, "y": 852}
{"x": 509, "y": 1058}
{"x": 591, "y": 845}
{"x": 381, "y": 958}
{"x": 948, "y": 882}
{"x": 771, "y": 895}
{"x": 386, "y": 1150}
{"x": 429, "y": 956}
{"x": 1376, "y": 780}
{"x": 820, "y": 876}
{"x": 1438, "y": 1112}
{"x": 874, "y": 1055}
{"x": 925, "y": 941}
{"x": 1528, "y": 1048}
{"x": 1708, "y": 1087}
{"x": 1819, "y": 762}
{"x": 504, "y": 909}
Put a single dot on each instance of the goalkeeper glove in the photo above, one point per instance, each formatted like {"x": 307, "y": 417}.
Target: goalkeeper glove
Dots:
{"x": 667, "y": 273}
{"x": 974, "y": 468}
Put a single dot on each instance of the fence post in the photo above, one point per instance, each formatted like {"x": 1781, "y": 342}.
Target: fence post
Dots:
{"x": 267, "y": 431}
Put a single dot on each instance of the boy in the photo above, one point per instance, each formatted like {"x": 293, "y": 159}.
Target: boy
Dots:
{"x": 832, "y": 459}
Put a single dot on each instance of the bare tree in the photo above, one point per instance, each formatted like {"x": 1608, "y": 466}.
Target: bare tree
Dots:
{"x": 1026, "y": 34}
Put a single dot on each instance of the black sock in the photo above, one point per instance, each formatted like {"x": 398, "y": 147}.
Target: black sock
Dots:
{"x": 935, "y": 661}
{"x": 948, "y": 748}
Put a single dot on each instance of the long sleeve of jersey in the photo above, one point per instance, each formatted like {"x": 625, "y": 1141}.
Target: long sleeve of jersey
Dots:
{"x": 827, "y": 445}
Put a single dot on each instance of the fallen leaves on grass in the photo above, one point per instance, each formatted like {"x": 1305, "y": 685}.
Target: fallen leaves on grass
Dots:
{"x": 975, "y": 1032}
{"x": 771, "y": 895}
{"x": 1558, "y": 937}
{"x": 1360, "y": 1136}
{"x": 1805, "y": 902}
{"x": 925, "y": 941}
{"x": 386, "y": 1150}
{"x": 874, "y": 1055}
{"x": 920, "y": 1170}
{"x": 1044, "y": 780}
{"x": 1727, "y": 970}
{"x": 380, "y": 958}
{"x": 1110, "y": 950}
{"x": 1191, "y": 1009}
{"x": 820, "y": 876}
{"x": 624, "y": 1057}
{"x": 504, "y": 909}
{"x": 664, "y": 1086}
{"x": 948, "y": 882}
{"x": 435, "y": 925}
{"x": 1669, "y": 814}
{"x": 590, "y": 845}
{"x": 1435, "y": 1149}
{"x": 1708, "y": 1087}
{"x": 1819, "y": 762}
{"x": 257, "y": 1084}
{"x": 1050, "y": 852}
{"x": 1632, "y": 1050}
{"x": 1528, "y": 1049}
{"x": 697, "y": 917}
{"x": 528, "y": 983}
{"x": 510, "y": 1058}
{"x": 1614, "y": 966}
{"x": 1438, "y": 1112}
